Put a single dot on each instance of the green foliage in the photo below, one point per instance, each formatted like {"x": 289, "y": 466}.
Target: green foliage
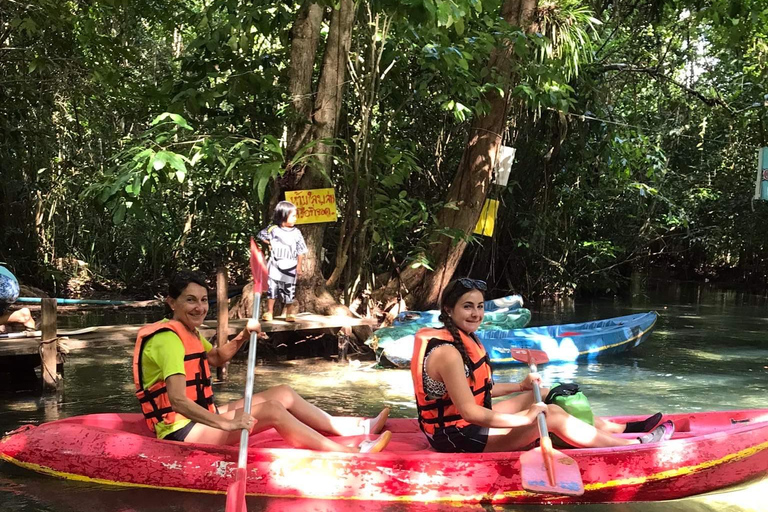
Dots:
{"x": 144, "y": 136}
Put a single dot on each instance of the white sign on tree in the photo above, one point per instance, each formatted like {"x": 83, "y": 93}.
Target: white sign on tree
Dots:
{"x": 504, "y": 165}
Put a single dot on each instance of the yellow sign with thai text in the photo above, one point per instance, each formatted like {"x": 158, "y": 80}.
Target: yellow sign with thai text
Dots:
{"x": 487, "y": 220}
{"x": 316, "y": 205}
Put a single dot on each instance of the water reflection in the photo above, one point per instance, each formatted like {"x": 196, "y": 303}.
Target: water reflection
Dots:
{"x": 25, "y": 493}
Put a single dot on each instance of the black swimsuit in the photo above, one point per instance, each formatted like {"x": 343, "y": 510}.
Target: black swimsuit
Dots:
{"x": 181, "y": 434}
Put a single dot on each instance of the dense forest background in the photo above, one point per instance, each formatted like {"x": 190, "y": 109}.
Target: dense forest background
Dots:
{"x": 141, "y": 136}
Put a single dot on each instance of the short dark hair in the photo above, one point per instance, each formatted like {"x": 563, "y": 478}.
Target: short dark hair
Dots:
{"x": 283, "y": 210}
{"x": 182, "y": 278}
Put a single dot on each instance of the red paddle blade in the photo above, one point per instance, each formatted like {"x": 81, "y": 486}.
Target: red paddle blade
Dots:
{"x": 528, "y": 356}
{"x": 258, "y": 268}
{"x": 567, "y": 477}
{"x": 236, "y": 493}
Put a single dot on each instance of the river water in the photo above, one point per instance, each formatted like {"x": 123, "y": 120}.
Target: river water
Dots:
{"x": 708, "y": 352}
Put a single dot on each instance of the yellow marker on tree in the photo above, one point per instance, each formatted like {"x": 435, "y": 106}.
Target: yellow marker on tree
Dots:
{"x": 487, "y": 221}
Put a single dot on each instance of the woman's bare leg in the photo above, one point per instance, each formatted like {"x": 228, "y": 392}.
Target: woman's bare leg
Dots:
{"x": 270, "y": 414}
{"x": 508, "y": 440}
{"x": 572, "y": 430}
{"x": 518, "y": 402}
{"x": 578, "y": 433}
{"x": 523, "y": 401}
{"x": 209, "y": 435}
{"x": 609, "y": 426}
{"x": 309, "y": 414}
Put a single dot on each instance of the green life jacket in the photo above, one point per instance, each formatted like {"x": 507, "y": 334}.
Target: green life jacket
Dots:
{"x": 574, "y": 402}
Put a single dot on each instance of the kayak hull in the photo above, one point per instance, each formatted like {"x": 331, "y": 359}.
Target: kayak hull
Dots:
{"x": 709, "y": 451}
{"x": 563, "y": 343}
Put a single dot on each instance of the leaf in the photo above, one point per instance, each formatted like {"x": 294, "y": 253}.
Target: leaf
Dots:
{"x": 264, "y": 173}
{"x": 118, "y": 216}
{"x": 459, "y": 26}
{"x": 175, "y": 118}
{"x": 232, "y": 164}
{"x": 521, "y": 49}
{"x": 272, "y": 145}
{"x": 163, "y": 158}
{"x": 160, "y": 160}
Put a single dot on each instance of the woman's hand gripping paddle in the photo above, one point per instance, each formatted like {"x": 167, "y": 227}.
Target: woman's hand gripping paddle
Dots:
{"x": 236, "y": 490}
{"x": 544, "y": 469}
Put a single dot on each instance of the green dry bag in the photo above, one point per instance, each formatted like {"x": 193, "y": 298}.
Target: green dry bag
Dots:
{"x": 573, "y": 401}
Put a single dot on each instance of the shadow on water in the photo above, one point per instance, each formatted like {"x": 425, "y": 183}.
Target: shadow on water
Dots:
{"x": 706, "y": 353}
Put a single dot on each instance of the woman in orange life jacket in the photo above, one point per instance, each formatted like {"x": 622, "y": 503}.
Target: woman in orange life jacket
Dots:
{"x": 454, "y": 386}
{"x": 172, "y": 378}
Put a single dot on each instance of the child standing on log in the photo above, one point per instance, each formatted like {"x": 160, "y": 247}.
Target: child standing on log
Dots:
{"x": 287, "y": 248}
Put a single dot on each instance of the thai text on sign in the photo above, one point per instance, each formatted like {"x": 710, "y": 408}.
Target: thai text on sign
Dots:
{"x": 316, "y": 205}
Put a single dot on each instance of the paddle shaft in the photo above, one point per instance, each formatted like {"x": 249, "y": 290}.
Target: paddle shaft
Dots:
{"x": 544, "y": 440}
{"x": 242, "y": 458}
{"x": 537, "y": 396}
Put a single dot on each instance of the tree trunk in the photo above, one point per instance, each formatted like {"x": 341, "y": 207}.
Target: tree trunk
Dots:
{"x": 311, "y": 292}
{"x": 305, "y": 35}
{"x": 472, "y": 182}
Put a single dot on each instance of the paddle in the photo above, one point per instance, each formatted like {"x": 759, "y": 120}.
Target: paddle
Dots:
{"x": 236, "y": 490}
{"x": 544, "y": 469}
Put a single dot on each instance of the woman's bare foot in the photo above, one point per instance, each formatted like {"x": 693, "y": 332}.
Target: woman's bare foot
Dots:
{"x": 376, "y": 445}
{"x": 375, "y": 425}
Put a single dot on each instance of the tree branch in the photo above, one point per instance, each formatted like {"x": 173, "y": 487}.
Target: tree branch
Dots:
{"x": 654, "y": 72}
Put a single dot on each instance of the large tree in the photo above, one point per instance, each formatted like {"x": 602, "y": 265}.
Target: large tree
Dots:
{"x": 469, "y": 188}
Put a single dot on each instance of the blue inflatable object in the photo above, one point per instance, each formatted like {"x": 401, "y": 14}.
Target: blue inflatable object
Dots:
{"x": 509, "y": 303}
{"x": 9, "y": 286}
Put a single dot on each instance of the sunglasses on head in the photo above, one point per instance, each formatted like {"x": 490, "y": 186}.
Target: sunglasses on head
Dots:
{"x": 473, "y": 284}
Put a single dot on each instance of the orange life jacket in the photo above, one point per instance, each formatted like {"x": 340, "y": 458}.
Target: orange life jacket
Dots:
{"x": 155, "y": 403}
{"x": 440, "y": 412}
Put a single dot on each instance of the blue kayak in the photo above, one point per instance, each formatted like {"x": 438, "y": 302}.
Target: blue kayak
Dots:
{"x": 509, "y": 303}
{"x": 584, "y": 341}
{"x": 567, "y": 343}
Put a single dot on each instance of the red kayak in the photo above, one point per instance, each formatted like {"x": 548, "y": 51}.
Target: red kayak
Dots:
{"x": 709, "y": 451}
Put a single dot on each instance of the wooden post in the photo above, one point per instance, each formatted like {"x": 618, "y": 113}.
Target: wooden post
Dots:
{"x": 222, "y": 310}
{"x": 343, "y": 336}
{"x": 48, "y": 345}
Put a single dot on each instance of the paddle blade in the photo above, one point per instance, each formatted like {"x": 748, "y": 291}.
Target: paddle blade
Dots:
{"x": 258, "y": 268}
{"x": 236, "y": 493}
{"x": 528, "y": 356}
{"x": 567, "y": 477}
